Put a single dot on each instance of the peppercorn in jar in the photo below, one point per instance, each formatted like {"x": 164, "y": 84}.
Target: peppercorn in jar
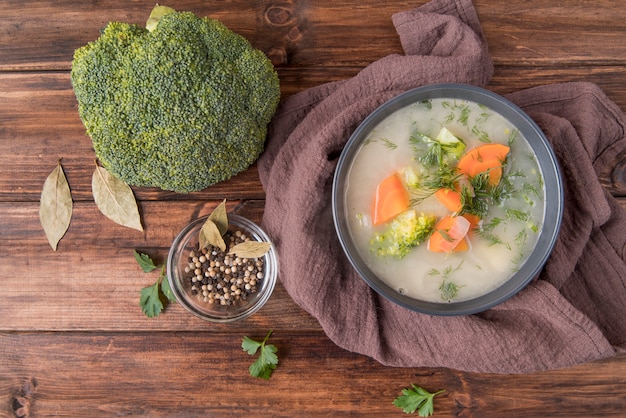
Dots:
{"x": 220, "y": 277}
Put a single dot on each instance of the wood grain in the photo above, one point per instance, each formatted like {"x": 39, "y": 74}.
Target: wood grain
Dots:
{"x": 326, "y": 32}
{"x": 121, "y": 374}
{"x": 73, "y": 340}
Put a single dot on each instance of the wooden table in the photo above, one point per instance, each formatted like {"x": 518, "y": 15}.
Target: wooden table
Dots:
{"x": 73, "y": 340}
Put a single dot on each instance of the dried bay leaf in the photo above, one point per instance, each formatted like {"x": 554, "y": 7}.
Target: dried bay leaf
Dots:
{"x": 220, "y": 218}
{"x": 251, "y": 249}
{"x": 115, "y": 199}
{"x": 55, "y": 206}
{"x": 210, "y": 235}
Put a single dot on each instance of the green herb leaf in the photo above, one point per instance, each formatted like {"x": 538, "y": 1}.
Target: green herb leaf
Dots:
{"x": 388, "y": 144}
{"x": 55, "y": 206}
{"x": 267, "y": 361}
{"x": 154, "y": 298}
{"x": 146, "y": 263}
{"x": 165, "y": 286}
{"x": 115, "y": 199}
{"x": 416, "y": 399}
{"x": 150, "y": 301}
{"x": 449, "y": 290}
{"x": 250, "y": 346}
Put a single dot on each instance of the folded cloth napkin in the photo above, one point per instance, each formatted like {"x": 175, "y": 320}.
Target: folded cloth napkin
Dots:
{"x": 572, "y": 313}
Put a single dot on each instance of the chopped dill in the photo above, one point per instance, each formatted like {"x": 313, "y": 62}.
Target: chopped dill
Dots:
{"x": 482, "y": 135}
{"x": 428, "y": 151}
{"x": 443, "y": 177}
{"x": 492, "y": 224}
{"x": 521, "y": 238}
{"x": 388, "y": 144}
{"x": 464, "y": 116}
{"x": 512, "y": 137}
{"x": 483, "y": 117}
{"x": 447, "y": 271}
{"x": 518, "y": 215}
{"x": 486, "y": 232}
{"x": 449, "y": 290}
{"x": 426, "y": 103}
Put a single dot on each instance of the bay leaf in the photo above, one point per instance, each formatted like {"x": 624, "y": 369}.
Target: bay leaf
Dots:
{"x": 220, "y": 218}
{"x": 115, "y": 199}
{"x": 210, "y": 235}
{"x": 251, "y": 249}
{"x": 55, "y": 206}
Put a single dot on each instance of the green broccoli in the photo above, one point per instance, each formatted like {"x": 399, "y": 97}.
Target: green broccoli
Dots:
{"x": 181, "y": 105}
{"x": 405, "y": 231}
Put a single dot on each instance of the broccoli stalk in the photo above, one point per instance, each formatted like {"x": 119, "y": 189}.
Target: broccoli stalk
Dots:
{"x": 181, "y": 105}
{"x": 404, "y": 232}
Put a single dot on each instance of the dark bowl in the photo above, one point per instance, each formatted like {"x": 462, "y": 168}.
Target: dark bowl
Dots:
{"x": 553, "y": 195}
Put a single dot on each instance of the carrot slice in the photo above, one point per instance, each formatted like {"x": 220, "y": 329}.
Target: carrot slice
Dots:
{"x": 448, "y": 233}
{"x": 391, "y": 199}
{"x": 450, "y": 199}
{"x": 474, "y": 220}
{"x": 462, "y": 247}
{"x": 485, "y": 158}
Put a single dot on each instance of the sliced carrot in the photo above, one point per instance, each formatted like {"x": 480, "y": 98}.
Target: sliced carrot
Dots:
{"x": 450, "y": 199}
{"x": 391, "y": 199}
{"x": 483, "y": 153}
{"x": 462, "y": 247}
{"x": 485, "y": 158}
{"x": 474, "y": 220}
{"x": 448, "y": 233}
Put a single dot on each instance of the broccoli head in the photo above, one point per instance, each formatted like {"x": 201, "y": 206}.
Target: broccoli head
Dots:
{"x": 404, "y": 232}
{"x": 181, "y": 105}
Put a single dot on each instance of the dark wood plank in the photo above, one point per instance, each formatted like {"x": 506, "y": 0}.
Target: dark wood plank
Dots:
{"x": 325, "y": 32}
{"x": 206, "y": 374}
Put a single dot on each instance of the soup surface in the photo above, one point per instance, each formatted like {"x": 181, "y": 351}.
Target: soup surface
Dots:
{"x": 402, "y": 178}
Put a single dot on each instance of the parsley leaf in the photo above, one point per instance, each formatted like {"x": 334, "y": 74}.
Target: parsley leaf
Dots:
{"x": 416, "y": 399}
{"x": 154, "y": 298}
{"x": 146, "y": 263}
{"x": 267, "y": 360}
{"x": 165, "y": 286}
{"x": 150, "y": 301}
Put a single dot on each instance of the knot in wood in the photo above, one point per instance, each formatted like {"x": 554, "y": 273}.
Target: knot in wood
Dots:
{"x": 278, "y": 56}
{"x": 279, "y": 16}
{"x": 21, "y": 406}
{"x": 294, "y": 35}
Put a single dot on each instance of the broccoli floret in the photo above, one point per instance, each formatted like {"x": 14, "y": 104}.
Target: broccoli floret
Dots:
{"x": 404, "y": 232}
{"x": 181, "y": 106}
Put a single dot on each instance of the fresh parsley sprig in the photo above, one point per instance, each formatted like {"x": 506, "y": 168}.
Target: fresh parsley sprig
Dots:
{"x": 267, "y": 360}
{"x": 416, "y": 399}
{"x": 154, "y": 298}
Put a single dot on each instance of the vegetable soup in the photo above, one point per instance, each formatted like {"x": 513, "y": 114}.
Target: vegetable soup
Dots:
{"x": 445, "y": 200}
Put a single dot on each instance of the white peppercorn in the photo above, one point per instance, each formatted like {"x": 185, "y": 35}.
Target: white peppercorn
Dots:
{"x": 218, "y": 277}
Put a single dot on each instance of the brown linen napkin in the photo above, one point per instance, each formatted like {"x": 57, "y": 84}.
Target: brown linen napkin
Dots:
{"x": 573, "y": 313}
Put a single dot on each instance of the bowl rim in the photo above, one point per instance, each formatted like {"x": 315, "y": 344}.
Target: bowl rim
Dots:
{"x": 546, "y": 160}
{"x": 270, "y": 270}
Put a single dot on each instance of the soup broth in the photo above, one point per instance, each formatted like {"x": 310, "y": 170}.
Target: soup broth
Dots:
{"x": 509, "y": 223}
